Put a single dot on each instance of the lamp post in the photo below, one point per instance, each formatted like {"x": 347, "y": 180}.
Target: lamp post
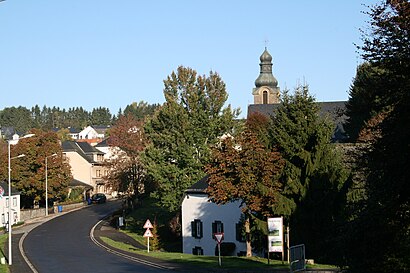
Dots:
{"x": 9, "y": 188}
{"x": 47, "y": 183}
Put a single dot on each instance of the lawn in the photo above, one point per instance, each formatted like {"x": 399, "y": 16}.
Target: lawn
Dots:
{"x": 3, "y": 239}
{"x": 200, "y": 261}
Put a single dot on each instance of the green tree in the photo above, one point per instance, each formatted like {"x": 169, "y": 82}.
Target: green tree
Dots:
{"x": 101, "y": 116}
{"x": 182, "y": 130}
{"x": 17, "y": 117}
{"x": 141, "y": 109}
{"x": 367, "y": 98}
{"x": 313, "y": 176}
{"x": 378, "y": 240}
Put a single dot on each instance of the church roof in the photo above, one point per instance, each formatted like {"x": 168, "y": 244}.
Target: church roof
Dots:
{"x": 334, "y": 109}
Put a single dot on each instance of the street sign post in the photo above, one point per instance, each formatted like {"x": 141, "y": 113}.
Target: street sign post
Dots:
{"x": 148, "y": 234}
{"x": 148, "y": 224}
{"x": 219, "y": 237}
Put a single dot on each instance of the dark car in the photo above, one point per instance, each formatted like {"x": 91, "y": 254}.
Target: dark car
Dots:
{"x": 99, "y": 198}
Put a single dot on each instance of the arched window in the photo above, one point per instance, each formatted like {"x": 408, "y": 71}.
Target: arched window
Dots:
{"x": 265, "y": 97}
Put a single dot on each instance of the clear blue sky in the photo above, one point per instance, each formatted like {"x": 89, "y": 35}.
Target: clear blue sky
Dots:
{"x": 111, "y": 53}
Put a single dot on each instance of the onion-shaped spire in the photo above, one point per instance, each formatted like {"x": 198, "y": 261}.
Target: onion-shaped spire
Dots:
{"x": 266, "y": 77}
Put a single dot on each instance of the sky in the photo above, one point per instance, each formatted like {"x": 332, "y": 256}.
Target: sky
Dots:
{"x": 110, "y": 54}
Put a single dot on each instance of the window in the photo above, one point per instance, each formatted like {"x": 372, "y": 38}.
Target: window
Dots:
{"x": 7, "y": 202}
{"x": 98, "y": 173}
{"x": 14, "y": 201}
{"x": 265, "y": 97}
{"x": 196, "y": 229}
{"x": 197, "y": 251}
{"x": 240, "y": 236}
{"x": 217, "y": 227}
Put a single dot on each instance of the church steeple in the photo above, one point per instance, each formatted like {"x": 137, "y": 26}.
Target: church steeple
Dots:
{"x": 266, "y": 89}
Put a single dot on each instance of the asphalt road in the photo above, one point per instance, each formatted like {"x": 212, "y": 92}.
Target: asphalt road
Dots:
{"x": 63, "y": 245}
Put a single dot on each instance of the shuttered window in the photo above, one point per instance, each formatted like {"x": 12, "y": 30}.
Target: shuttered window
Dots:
{"x": 196, "y": 229}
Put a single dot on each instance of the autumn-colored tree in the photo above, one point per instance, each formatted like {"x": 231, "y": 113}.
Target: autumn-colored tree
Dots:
{"x": 127, "y": 141}
{"x": 155, "y": 241}
{"x": 244, "y": 169}
{"x": 28, "y": 172}
{"x": 182, "y": 131}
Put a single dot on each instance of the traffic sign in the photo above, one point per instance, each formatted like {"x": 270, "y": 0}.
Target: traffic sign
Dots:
{"x": 219, "y": 237}
{"x": 148, "y": 224}
{"x": 148, "y": 233}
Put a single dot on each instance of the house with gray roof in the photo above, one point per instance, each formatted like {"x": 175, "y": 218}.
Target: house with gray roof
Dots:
{"x": 86, "y": 165}
{"x": 201, "y": 219}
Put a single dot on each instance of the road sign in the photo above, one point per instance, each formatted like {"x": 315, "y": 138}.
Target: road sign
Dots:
{"x": 1, "y": 192}
{"x": 148, "y": 233}
{"x": 219, "y": 237}
{"x": 148, "y": 224}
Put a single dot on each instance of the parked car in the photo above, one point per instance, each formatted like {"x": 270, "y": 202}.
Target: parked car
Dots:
{"x": 99, "y": 198}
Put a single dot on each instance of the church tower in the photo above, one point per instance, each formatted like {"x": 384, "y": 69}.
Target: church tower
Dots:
{"x": 266, "y": 89}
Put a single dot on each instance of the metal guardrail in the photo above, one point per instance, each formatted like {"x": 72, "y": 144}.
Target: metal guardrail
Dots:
{"x": 297, "y": 258}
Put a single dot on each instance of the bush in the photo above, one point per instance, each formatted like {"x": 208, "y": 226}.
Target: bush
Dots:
{"x": 227, "y": 249}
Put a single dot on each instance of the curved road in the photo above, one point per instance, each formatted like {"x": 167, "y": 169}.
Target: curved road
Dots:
{"x": 63, "y": 245}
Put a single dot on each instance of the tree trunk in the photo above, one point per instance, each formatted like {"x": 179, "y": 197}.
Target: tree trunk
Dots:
{"x": 248, "y": 237}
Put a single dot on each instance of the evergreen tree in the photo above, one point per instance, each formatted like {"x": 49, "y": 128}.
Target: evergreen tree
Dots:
{"x": 19, "y": 118}
{"x": 101, "y": 116}
{"x": 379, "y": 240}
{"x": 367, "y": 98}
{"x": 313, "y": 176}
{"x": 183, "y": 129}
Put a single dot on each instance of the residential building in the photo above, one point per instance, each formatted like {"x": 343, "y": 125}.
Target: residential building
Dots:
{"x": 92, "y": 134}
{"x": 86, "y": 164}
{"x": 5, "y": 203}
{"x": 201, "y": 219}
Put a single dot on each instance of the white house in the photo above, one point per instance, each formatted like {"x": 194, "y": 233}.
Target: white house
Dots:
{"x": 5, "y": 203}
{"x": 93, "y": 132}
{"x": 201, "y": 219}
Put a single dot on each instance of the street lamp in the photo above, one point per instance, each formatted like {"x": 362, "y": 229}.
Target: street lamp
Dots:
{"x": 9, "y": 188}
{"x": 47, "y": 183}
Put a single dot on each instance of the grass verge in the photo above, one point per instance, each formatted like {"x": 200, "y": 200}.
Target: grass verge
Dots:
{"x": 208, "y": 261}
{"x": 4, "y": 268}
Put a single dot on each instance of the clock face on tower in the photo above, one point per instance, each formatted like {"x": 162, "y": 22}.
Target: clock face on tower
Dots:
{"x": 267, "y": 68}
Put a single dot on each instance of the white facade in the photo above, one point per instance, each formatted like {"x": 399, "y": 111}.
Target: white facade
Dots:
{"x": 197, "y": 207}
{"x": 88, "y": 133}
{"x": 15, "y": 209}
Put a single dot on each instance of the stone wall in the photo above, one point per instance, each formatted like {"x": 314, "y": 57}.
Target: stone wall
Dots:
{"x": 28, "y": 214}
